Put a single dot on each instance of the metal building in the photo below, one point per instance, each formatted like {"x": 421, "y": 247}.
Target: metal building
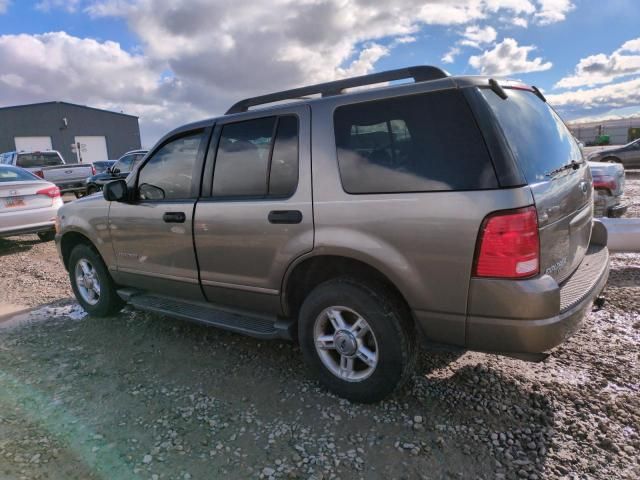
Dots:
{"x": 619, "y": 131}
{"x": 78, "y": 132}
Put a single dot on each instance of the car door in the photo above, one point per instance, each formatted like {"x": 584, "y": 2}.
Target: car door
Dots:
{"x": 152, "y": 232}
{"x": 631, "y": 156}
{"x": 255, "y": 216}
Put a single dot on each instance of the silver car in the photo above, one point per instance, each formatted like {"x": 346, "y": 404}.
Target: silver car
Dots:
{"x": 28, "y": 204}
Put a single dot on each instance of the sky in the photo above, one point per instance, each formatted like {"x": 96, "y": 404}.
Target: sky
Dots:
{"x": 172, "y": 62}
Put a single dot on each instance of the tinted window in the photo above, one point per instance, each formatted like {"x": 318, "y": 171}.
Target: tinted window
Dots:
{"x": 11, "y": 174}
{"x": 426, "y": 142}
{"x": 283, "y": 176}
{"x": 249, "y": 163}
{"x": 125, "y": 163}
{"x": 537, "y": 136}
{"x": 43, "y": 159}
{"x": 168, "y": 173}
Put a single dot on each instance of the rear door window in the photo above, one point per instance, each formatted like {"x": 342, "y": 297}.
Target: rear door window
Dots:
{"x": 537, "y": 136}
{"x": 257, "y": 158}
{"x": 42, "y": 159}
{"x": 417, "y": 143}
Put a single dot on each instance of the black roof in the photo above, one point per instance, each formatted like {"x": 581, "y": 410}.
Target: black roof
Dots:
{"x": 66, "y": 103}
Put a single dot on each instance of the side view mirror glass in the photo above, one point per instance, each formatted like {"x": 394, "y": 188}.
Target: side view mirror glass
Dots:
{"x": 115, "y": 171}
{"x": 115, "y": 191}
{"x": 150, "y": 192}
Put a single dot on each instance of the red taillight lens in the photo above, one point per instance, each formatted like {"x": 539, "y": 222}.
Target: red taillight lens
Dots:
{"x": 53, "y": 192}
{"x": 93, "y": 170}
{"x": 39, "y": 173}
{"x": 604, "y": 181}
{"x": 508, "y": 245}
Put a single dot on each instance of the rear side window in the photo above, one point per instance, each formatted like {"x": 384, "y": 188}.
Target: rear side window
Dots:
{"x": 257, "y": 158}
{"x": 537, "y": 136}
{"x": 31, "y": 160}
{"x": 416, "y": 143}
{"x": 11, "y": 174}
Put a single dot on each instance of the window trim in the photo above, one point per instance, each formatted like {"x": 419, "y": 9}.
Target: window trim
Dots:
{"x": 212, "y": 158}
{"x": 197, "y": 172}
{"x": 472, "y": 113}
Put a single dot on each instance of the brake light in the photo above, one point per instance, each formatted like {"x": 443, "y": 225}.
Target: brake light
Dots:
{"x": 605, "y": 181}
{"x": 93, "y": 170}
{"x": 39, "y": 173}
{"x": 508, "y": 245}
{"x": 52, "y": 192}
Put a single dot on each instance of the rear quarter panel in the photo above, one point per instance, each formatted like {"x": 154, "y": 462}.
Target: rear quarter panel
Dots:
{"x": 423, "y": 242}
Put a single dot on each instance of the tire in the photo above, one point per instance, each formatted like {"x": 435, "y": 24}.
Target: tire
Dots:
{"x": 390, "y": 338}
{"x": 78, "y": 194}
{"x": 91, "y": 190}
{"x": 47, "y": 236}
{"x": 102, "y": 304}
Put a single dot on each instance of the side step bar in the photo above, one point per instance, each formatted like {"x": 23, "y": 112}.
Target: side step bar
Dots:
{"x": 251, "y": 324}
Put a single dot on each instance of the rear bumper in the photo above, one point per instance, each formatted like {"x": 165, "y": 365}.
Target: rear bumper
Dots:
{"x": 75, "y": 186}
{"x": 542, "y": 313}
{"x": 617, "y": 211}
{"x": 25, "y": 230}
{"x": 28, "y": 221}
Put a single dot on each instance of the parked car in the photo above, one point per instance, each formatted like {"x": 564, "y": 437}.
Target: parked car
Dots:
{"x": 28, "y": 204}
{"x": 608, "y": 186}
{"x": 50, "y": 166}
{"x": 103, "y": 165}
{"x": 119, "y": 170}
{"x": 457, "y": 207}
{"x": 628, "y": 155}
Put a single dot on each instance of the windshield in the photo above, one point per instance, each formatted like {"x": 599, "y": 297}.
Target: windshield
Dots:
{"x": 12, "y": 174}
{"x": 39, "y": 159}
{"x": 538, "y": 137}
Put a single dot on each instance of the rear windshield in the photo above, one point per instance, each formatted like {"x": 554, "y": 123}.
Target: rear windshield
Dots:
{"x": 11, "y": 174}
{"x": 42, "y": 159}
{"x": 537, "y": 136}
{"x": 415, "y": 143}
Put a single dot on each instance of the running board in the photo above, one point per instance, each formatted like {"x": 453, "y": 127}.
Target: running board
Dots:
{"x": 251, "y": 324}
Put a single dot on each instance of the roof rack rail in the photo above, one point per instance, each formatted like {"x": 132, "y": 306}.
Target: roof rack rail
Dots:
{"x": 421, "y": 73}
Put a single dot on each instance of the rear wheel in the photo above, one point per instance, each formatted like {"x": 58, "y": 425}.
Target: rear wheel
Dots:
{"x": 78, "y": 194}
{"x": 46, "y": 236}
{"x": 612, "y": 160}
{"x": 91, "y": 283}
{"x": 92, "y": 189}
{"x": 358, "y": 338}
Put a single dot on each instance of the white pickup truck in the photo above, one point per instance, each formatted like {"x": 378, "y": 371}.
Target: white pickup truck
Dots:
{"x": 50, "y": 166}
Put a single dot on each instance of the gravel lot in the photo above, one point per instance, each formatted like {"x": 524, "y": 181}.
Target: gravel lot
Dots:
{"x": 145, "y": 396}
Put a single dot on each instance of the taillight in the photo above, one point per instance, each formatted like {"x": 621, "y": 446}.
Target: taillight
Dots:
{"x": 39, "y": 173}
{"x": 93, "y": 170}
{"x": 53, "y": 192}
{"x": 508, "y": 245}
{"x": 605, "y": 181}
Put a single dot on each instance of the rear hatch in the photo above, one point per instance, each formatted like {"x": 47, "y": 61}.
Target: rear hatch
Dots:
{"x": 19, "y": 196}
{"x": 560, "y": 180}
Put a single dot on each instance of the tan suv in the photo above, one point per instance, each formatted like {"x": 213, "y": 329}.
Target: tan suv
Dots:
{"x": 457, "y": 207}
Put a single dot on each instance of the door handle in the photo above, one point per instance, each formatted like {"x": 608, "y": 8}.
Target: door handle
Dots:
{"x": 285, "y": 216}
{"x": 174, "y": 217}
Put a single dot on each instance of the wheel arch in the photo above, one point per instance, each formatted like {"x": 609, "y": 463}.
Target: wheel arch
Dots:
{"x": 69, "y": 240}
{"x": 311, "y": 271}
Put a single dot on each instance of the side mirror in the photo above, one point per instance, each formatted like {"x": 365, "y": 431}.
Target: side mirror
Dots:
{"x": 115, "y": 191}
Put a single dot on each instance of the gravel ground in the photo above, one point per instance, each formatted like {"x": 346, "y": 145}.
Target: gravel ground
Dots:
{"x": 145, "y": 396}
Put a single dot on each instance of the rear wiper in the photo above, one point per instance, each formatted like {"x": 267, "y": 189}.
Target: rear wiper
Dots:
{"x": 573, "y": 166}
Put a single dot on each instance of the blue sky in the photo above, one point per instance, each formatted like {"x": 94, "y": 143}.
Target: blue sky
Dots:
{"x": 173, "y": 61}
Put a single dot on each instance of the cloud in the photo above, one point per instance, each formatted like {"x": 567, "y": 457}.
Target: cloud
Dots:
{"x": 67, "y": 5}
{"x": 600, "y": 99}
{"x": 600, "y": 68}
{"x": 475, "y": 36}
{"x": 450, "y": 55}
{"x": 4, "y": 6}
{"x": 552, "y": 11}
{"x": 507, "y": 57}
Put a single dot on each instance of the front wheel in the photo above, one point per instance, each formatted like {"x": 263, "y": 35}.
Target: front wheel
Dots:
{"x": 359, "y": 339}
{"x": 91, "y": 283}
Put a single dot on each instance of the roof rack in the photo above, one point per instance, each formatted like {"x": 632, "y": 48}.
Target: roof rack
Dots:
{"x": 421, "y": 73}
